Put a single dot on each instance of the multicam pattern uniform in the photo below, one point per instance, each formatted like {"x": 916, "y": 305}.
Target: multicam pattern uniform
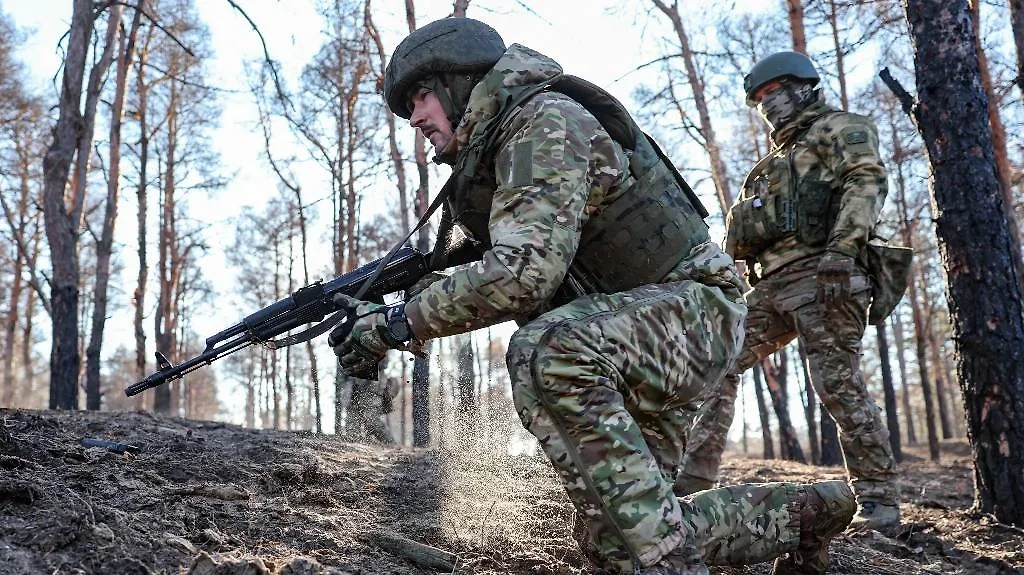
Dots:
{"x": 839, "y": 150}
{"x": 609, "y": 382}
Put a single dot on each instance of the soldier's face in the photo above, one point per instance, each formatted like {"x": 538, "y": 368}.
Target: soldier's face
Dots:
{"x": 429, "y": 118}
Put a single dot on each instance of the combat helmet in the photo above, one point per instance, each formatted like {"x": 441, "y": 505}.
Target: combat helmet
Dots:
{"x": 454, "y": 52}
{"x": 776, "y": 66}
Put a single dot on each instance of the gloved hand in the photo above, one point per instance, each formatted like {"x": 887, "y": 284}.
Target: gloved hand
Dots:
{"x": 834, "y": 273}
{"x": 363, "y": 340}
{"x": 423, "y": 283}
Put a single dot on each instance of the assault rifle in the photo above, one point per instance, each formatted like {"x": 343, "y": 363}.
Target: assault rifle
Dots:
{"x": 310, "y": 304}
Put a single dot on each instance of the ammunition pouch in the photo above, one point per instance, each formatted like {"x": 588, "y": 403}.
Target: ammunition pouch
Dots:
{"x": 888, "y": 269}
{"x": 758, "y": 221}
{"x": 817, "y": 210}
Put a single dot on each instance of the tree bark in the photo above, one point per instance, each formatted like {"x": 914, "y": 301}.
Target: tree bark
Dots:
{"x": 984, "y": 296}
{"x": 999, "y": 150}
{"x": 63, "y": 221}
{"x": 892, "y": 418}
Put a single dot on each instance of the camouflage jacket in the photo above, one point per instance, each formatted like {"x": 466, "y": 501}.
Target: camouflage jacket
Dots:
{"x": 829, "y": 162}
{"x": 552, "y": 167}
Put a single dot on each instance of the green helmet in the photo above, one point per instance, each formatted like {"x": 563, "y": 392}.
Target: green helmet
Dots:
{"x": 443, "y": 48}
{"x": 776, "y": 66}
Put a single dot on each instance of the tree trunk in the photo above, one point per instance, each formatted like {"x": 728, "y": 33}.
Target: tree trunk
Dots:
{"x": 142, "y": 199}
{"x": 719, "y": 174}
{"x": 762, "y": 410}
{"x": 908, "y": 415}
{"x": 831, "y": 452}
{"x": 892, "y": 418}
{"x": 999, "y": 150}
{"x": 983, "y": 293}
{"x": 810, "y": 407}
{"x": 929, "y": 334}
{"x": 104, "y": 248}
{"x": 920, "y": 325}
{"x": 775, "y": 375}
{"x": 795, "y": 8}
{"x": 62, "y": 223}
{"x": 921, "y": 343}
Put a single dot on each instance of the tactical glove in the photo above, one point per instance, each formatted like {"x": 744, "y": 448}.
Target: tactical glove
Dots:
{"x": 834, "y": 273}
{"x": 369, "y": 332}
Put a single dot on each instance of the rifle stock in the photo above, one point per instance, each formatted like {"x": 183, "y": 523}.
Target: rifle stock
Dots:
{"x": 310, "y": 304}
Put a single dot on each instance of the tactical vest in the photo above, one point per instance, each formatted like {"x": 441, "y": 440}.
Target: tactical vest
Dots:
{"x": 635, "y": 240}
{"x": 777, "y": 204}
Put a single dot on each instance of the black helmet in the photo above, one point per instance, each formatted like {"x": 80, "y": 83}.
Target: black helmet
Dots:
{"x": 779, "y": 65}
{"x": 443, "y": 47}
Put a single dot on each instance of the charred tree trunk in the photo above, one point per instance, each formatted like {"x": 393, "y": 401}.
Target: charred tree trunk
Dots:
{"x": 892, "y": 418}
{"x": 999, "y": 150}
{"x": 762, "y": 411}
{"x": 984, "y": 295}
{"x": 63, "y": 218}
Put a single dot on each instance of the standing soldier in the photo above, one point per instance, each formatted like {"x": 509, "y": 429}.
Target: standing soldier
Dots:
{"x": 593, "y": 243}
{"x": 802, "y": 224}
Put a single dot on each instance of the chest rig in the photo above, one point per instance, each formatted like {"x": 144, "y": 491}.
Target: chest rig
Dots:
{"x": 778, "y": 202}
{"x": 635, "y": 240}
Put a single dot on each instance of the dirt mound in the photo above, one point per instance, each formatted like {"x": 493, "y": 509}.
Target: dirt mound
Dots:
{"x": 167, "y": 495}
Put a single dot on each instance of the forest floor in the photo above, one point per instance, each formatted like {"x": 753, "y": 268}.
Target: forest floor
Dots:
{"x": 207, "y": 498}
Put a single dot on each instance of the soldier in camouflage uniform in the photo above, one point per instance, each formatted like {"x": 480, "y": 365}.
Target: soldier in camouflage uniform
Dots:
{"x": 801, "y": 224}
{"x": 628, "y": 311}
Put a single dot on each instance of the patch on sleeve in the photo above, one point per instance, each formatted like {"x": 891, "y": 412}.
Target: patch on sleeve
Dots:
{"x": 522, "y": 165}
{"x": 855, "y": 136}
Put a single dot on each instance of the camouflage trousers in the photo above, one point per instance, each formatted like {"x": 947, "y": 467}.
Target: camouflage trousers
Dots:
{"x": 781, "y": 307}
{"x": 609, "y": 384}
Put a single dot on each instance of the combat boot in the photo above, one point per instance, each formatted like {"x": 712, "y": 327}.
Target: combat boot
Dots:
{"x": 826, "y": 510}
{"x": 875, "y": 515}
